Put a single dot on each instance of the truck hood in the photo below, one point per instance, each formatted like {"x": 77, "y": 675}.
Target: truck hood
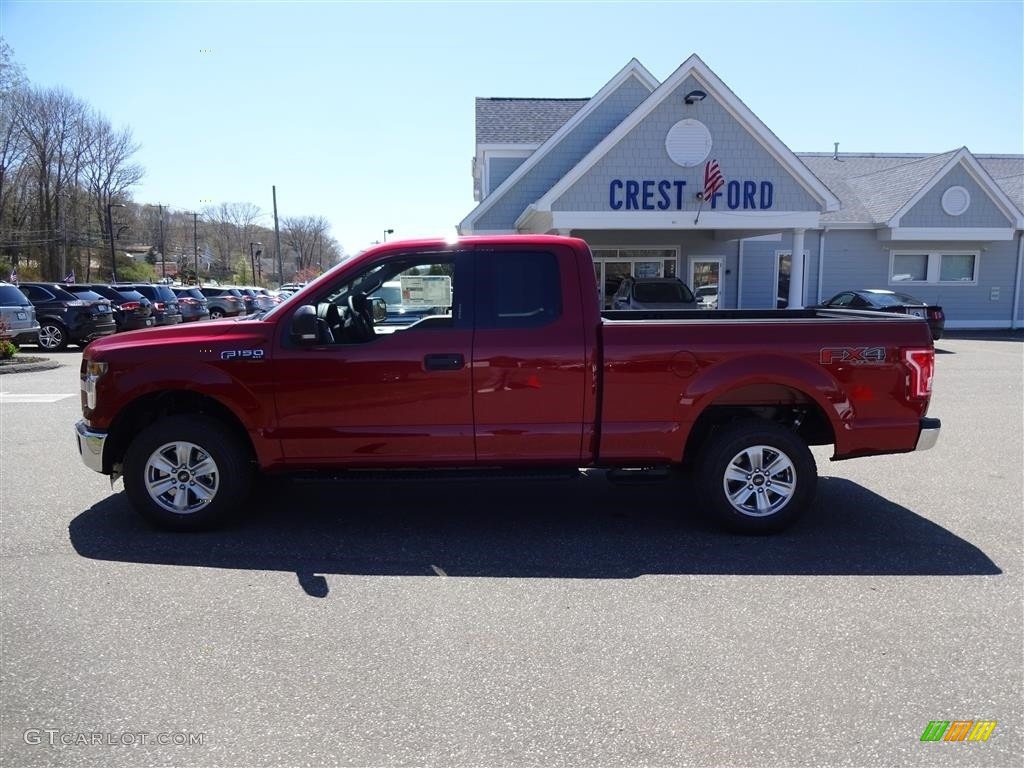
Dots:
{"x": 251, "y": 331}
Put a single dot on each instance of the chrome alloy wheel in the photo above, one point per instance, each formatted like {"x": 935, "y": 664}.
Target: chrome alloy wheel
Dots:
{"x": 50, "y": 336}
{"x": 181, "y": 477}
{"x": 759, "y": 481}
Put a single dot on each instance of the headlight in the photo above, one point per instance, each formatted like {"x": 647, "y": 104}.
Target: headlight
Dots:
{"x": 94, "y": 371}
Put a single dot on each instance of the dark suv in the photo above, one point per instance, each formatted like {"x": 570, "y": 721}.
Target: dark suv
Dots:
{"x": 223, "y": 302}
{"x": 165, "y": 303}
{"x": 132, "y": 310}
{"x": 65, "y": 318}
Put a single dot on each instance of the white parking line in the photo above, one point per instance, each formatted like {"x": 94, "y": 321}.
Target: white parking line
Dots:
{"x": 8, "y": 397}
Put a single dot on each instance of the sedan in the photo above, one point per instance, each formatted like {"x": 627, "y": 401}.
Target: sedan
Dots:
{"x": 882, "y": 300}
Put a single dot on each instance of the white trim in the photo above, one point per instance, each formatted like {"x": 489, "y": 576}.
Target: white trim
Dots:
{"x": 982, "y": 179}
{"x": 934, "y": 268}
{"x": 675, "y": 220}
{"x": 775, "y": 281}
{"x": 979, "y": 324}
{"x": 1016, "y": 280}
{"x": 721, "y": 274}
{"x": 731, "y": 103}
{"x": 634, "y": 69}
{"x": 959, "y": 234}
{"x": 821, "y": 262}
{"x": 776, "y": 238}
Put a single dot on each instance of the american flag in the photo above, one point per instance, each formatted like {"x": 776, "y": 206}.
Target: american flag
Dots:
{"x": 14, "y": 277}
{"x": 69, "y": 277}
{"x": 713, "y": 180}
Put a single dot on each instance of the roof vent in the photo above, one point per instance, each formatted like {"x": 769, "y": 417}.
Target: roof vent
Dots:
{"x": 835, "y": 153}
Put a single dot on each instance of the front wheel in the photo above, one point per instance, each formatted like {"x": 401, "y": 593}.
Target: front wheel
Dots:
{"x": 757, "y": 477}
{"x": 187, "y": 473}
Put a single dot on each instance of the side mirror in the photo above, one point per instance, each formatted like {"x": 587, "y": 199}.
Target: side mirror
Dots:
{"x": 380, "y": 309}
{"x": 304, "y": 330}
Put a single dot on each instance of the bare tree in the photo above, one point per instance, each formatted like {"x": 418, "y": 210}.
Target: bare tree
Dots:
{"x": 304, "y": 236}
{"x": 55, "y": 126}
{"x": 106, "y": 167}
{"x": 12, "y": 138}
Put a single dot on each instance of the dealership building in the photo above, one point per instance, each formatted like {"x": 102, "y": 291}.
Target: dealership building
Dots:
{"x": 680, "y": 178}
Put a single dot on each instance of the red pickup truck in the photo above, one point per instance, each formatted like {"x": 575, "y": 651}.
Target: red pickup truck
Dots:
{"x": 523, "y": 371}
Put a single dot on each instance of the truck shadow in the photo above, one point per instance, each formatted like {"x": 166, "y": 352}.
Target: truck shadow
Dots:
{"x": 580, "y": 528}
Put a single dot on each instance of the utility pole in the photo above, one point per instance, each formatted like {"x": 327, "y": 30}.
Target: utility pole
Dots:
{"x": 163, "y": 254}
{"x": 277, "y": 239}
{"x": 195, "y": 243}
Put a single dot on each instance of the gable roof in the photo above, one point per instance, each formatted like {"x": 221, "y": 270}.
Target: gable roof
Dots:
{"x": 696, "y": 68}
{"x": 634, "y": 69}
{"x": 522, "y": 121}
{"x": 874, "y": 188}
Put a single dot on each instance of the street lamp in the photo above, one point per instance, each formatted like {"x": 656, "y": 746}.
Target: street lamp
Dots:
{"x": 110, "y": 229}
{"x": 252, "y": 258}
{"x": 388, "y": 232}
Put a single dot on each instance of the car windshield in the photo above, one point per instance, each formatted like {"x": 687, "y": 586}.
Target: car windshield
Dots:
{"x": 195, "y": 293}
{"x": 11, "y": 296}
{"x": 891, "y": 299}
{"x": 662, "y": 293}
{"x": 87, "y": 294}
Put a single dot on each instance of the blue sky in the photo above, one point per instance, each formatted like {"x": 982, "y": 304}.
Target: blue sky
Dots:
{"x": 363, "y": 112}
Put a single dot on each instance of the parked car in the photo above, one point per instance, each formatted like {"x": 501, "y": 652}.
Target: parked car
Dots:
{"x": 132, "y": 310}
{"x": 17, "y": 316}
{"x": 707, "y": 297}
{"x": 256, "y": 300}
{"x": 653, "y": 293}
{"x": 399, "y": 313}
{"x": 193, "y": 305}
{"x": 64, "y": 318}
{"x": 166, "y": 310}
{"x": 223, "y": 302}
{"x": 883, "y": 300}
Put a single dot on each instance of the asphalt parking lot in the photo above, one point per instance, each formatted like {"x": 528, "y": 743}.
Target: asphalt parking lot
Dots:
{"x": 571, "y": 623}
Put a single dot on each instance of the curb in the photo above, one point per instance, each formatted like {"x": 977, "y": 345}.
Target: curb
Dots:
{"x": 28, "y": 367}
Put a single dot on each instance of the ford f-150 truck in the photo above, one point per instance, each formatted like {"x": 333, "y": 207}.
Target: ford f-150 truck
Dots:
{"x": 523, "y": 371}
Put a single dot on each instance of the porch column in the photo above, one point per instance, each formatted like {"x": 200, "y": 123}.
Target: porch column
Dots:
{"x": 796, "y": 271}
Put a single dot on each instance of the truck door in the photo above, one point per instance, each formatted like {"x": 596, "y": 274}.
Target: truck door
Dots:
{"x": 528, "y": 356}
{"x": 399, "y": 395}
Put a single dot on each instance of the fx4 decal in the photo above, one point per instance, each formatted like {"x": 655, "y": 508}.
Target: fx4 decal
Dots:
{"x": 242, "y": 354}
{"x": 852, "y": 355}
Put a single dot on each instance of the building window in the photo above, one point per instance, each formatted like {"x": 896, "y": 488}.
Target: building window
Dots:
{"x": 959, "y": 267}
{"x": 611, "y": 265}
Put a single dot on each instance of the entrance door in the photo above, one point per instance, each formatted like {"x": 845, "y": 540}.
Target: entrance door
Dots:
{"x": 783, "y": 266}
{"x": 706, "y": 281}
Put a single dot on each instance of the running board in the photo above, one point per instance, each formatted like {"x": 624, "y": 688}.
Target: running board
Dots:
{"x": 432, "y": 475}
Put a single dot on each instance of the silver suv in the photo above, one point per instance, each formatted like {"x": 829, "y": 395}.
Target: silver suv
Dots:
{"x": 17, "y": 316}
{"x": 653, "y": 293}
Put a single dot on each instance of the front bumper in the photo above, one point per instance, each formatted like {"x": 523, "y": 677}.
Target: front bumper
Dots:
{"x": 929, "y": 434}
{"x": 90, "y": 446}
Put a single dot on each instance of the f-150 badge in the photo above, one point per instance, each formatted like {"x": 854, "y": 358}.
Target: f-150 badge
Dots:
{"x": 242, "y": 354}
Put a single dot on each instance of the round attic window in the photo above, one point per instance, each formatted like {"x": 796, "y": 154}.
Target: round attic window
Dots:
{"x": 956, "y": 200}
{"x": 688, "y": 143}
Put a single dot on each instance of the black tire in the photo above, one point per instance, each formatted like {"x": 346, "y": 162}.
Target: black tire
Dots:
{"x": 216, "y": 314}
{"x": 206, "y": 441}
{"x": 769, "y": 502}
{"x": 53, "y": 336}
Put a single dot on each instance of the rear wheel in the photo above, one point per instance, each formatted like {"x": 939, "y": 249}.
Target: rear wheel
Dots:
{"x": 216, "y": 314}
{"x": 187, "y": 473}
{"x": 757, "y": 477}
{"x": 53, "y": 336}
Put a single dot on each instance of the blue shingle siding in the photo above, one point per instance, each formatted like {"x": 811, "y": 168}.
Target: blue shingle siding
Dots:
{"x": 569, "y": 151}
{"x": 982, "y": 212}
{"x": 857, "y": 259}
{"x": 641, "y": 155}
{"x": 500, "y": 168}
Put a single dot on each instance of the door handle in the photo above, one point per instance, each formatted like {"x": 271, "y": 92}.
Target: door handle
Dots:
{"x": 450, "y": 362}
